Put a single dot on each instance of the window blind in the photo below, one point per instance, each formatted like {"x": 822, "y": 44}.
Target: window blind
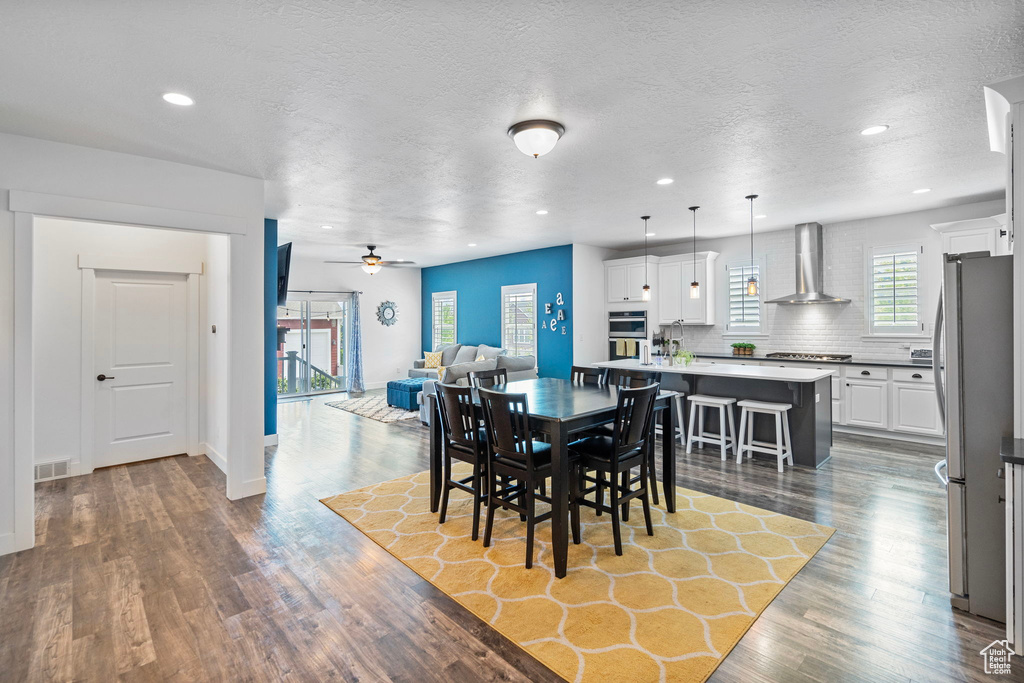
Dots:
{"x": 443, "y": 318}
{"x": 744, "y": 310}
{"x": 519, "y": 320}
{"x": 894, "y": 290}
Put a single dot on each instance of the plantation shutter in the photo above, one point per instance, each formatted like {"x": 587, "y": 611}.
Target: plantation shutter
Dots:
{"x": 443, "y": 318}
{"x": 894, "y": 290}
{"x": 744, "y": 310}
{"x": 519, "y": 319}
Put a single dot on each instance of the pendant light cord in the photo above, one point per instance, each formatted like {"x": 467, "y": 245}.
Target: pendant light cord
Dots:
{"x": 694, "y": 210}
{"x": 751, "y": 197}
{"x": 644, "y": 218}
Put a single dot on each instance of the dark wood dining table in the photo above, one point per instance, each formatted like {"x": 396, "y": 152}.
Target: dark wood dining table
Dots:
{"x": 561, "y": 410}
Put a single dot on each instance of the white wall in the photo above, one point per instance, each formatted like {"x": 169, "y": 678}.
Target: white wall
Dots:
{"x": 827, "y": 328}
{"x": 213, "y": 420}
{"x": 102, "y": 184}
{"x": 388, "y": 352}
{"x": 589, "y": 310}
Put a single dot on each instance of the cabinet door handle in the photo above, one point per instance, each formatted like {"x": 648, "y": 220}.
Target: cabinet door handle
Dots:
{"x": 864, "y": 372}
{"x": 916, "y": 375}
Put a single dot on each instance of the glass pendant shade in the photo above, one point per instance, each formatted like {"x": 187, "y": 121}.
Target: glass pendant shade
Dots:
{"x": 752, "y": 286}
{"x": 694, "y": 290}
{"x": 646, "y": 295}
{"x": 536, "y": 138}
{"x": 371, "y": 269}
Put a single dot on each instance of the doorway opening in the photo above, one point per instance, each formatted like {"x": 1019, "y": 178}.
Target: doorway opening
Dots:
{"x": 312, "y": 345}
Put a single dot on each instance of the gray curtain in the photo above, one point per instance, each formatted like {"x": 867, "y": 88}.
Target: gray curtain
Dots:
{"x": 354, "y": 361}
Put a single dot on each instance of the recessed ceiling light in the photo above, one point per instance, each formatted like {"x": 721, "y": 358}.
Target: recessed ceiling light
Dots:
{"x": 327, "y": 227}
{"x": 178, "y": 99}
{"x": 665, "y": 181}
{"x": 874, "y": 130}
{"x": 761, "y": 215}
{"x": 923, "y": 190}
{"x": 471, "y": 244}
{"x": 542, "y": 212}
{"x": 400, "y": 260}
{"x": 648, "y": 234}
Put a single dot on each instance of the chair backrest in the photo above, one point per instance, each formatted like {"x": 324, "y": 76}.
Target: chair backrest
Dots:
{"x": 631, "y": 379}
{"x": 585, "y": 375}
{"x": 633, "y": 418}
{"x": 488, "y": 378}
{"x": 459, "y": 422}
{"x": 507, "y": 420}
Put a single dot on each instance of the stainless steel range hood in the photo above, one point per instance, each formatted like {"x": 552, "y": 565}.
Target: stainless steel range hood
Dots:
{"x": 809, "y": 269}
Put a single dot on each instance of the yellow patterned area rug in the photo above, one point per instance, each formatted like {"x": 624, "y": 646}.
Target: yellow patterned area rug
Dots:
{"x": 670, "y": 609}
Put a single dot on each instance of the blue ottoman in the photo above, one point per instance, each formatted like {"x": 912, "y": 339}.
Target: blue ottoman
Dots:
{"x": 402, "y": 392}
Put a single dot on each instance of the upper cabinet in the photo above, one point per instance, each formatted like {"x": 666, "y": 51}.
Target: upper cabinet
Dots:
{"x": 675, "y": 273}
{"x": 978, "y": 234}
{"x": 625, "y": 278}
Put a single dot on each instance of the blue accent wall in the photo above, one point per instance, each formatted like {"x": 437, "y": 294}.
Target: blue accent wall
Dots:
{"x": 270, "y": 326}
{"x": 479, "y": 284}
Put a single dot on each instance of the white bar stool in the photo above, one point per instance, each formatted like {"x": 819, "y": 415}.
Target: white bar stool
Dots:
{"x": 782, "y": 449}
{"x": 725, "y": 439}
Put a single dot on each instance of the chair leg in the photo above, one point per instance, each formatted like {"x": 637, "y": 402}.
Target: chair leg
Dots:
{"x": 574, "y": 503}
{"x": 645, "y": 499}
{"x": 522, "y": 500}
{"x": 652, "y": 475}
{"x": 721, "y": 433}
{"x": 599, "y": 494}
{"x": 788, "y": 443}
{"x": 750, "y": 435}
{"x": 732, "y": 425}
{"x": 616, "y": 532}
{"x": 478, "y": 483}
{"x": 445, "y": 488}
{"x": 689, "y": 432}
{"x": 491, "y": 504}
{"x": 700, "y": 428}
{"x": 680, "y": 402}
{"x": 531, "y": 522}
{"x": 625, "y": 485}
{"x": 742, "y": 435}
{"x": 779, "y": 453}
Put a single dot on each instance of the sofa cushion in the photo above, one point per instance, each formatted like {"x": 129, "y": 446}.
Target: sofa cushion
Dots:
{"x": 466, "y": 354}
{"x": 489, "y": 352}
{"x": 448, "y": 353}
{"x": 453, "y": 373}
{"x": 429, "y": 373}
{"x": 516, "y": 363}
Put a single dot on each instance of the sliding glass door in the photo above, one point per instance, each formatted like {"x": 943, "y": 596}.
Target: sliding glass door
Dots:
{"x": 312, "y": 343}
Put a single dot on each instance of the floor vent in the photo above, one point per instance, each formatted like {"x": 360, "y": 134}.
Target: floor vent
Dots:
{"x": 52, "y": 470}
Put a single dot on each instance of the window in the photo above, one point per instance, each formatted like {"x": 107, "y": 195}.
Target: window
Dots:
{"x": 745, "y": 312}
{"x": 519, "y": 319}
{"x": 443, "y": 318}
{"x": 893, "y": 295}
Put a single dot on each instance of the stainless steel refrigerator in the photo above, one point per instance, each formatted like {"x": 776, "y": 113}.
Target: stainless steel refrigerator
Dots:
{"x": 975, "y": 323}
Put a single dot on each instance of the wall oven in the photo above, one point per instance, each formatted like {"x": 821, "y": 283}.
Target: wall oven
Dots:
{"x": 626, "y": 329}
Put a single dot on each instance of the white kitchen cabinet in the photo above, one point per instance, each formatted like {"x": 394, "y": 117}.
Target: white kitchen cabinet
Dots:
{"x": 977, "y": 234}
{"x": 867, "y": 403}
{"x": 675, "y": 273}
{"x": 625, "y": 278}
{"x": 914, "y": 408}
{"x": 1014, "y": 475}
{"x": 670, "y": 291}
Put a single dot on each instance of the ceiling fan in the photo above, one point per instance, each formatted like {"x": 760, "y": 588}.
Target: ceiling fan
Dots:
{"x": 372, "y": 263}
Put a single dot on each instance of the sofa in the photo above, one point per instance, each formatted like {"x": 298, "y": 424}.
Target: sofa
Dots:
{"x": 459, "y": 360}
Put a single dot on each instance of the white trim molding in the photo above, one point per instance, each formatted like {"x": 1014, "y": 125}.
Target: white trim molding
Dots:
{"x": 269, "y": 440}
{"x": 153, "y": 263}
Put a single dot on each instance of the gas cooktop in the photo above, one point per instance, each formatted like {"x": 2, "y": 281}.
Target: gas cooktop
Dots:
{"x": 833, "y": 357}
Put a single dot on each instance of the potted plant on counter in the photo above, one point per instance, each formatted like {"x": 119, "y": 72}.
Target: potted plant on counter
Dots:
{"x": 743, "y": 349}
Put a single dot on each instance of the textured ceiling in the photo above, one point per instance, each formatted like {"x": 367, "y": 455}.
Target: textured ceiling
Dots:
{"x": 387, "y": 119}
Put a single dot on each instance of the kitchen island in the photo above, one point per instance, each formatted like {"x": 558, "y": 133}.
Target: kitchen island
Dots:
{"x": 809, "y": 390}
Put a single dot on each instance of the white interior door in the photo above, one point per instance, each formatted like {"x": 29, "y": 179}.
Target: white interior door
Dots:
{"x": 140, "y": 350}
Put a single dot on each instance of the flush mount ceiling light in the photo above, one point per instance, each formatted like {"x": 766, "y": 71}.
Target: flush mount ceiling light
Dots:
{"x": 327, "y": 227}
{"x": 536, "y": 137}
{"x": 665, "y": 181}
{"x": 542, "y": 212}
{"x": 922, "y": 190}
{"x": 752, "y": 282}
{"x": 471, "y": 244}
{"x": 694, "y": 286}
{"x": 874, "y": 130}
{"x": 178, "y": 99}
{"x": 646, "y": 294}
{"x": 650, "y": 234}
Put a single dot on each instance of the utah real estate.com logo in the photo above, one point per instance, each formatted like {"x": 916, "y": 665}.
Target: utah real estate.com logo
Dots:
{"x": 997, "y": 657}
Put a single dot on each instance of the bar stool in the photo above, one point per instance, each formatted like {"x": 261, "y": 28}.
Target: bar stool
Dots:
{"x": 698, "y": 402}
{"x": 782, "y": 448}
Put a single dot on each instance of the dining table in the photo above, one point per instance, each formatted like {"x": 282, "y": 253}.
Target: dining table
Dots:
{"x": 561, "y": 411}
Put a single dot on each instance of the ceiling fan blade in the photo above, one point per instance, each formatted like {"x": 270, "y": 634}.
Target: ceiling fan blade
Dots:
{"x": 398, "y": 263}
{"x": 349, "y": 262}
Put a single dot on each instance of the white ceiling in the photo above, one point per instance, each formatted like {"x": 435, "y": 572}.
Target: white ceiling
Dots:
{"x": 387, "y": 119}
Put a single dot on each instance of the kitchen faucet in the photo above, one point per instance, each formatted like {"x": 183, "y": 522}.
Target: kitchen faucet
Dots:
{"x": 677, "y": 341}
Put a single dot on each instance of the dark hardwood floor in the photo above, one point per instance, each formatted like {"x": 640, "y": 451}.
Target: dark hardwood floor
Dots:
{"x": 147, "y": 572}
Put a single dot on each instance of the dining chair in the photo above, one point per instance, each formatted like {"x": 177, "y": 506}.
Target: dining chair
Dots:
{"x": 485, "y": 379}
{"x": 582, "y": 374}
{"x": 616, "y": 456}
{"x": 462, "y": 439}
{"x": 516, "y": 465}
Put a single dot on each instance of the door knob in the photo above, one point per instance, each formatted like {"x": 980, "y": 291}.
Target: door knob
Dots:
{"x": 104, "y": 377}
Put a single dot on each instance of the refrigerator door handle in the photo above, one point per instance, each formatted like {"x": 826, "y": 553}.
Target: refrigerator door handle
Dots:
{"x": 937, "y": 363}
{"x": 956, "y": 526}
{"x": 939, "y": 466}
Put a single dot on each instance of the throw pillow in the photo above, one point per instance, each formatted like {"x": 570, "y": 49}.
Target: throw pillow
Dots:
{"x": 440, "y": 373}
{"x": 488, "y": 352}
{"x": 448, "y": 353}
{"x": 467, "y": 354}
{"x": 432, "y": 359}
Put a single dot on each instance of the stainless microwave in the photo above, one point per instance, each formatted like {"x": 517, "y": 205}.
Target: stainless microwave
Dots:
{"x": 627, "y": 325}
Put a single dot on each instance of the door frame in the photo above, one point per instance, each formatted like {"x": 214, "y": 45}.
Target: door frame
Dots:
{"x": 192, "y": 269}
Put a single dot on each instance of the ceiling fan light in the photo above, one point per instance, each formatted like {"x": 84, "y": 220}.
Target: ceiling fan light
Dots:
{"x": 371, "y": 268}
{"x": 536, "y": 138}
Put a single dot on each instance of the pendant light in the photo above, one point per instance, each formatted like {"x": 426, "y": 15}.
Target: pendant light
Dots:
{"x": 694, "y": 286}
{"x": 646, "y": 296}
{"x": 752, "y": 282}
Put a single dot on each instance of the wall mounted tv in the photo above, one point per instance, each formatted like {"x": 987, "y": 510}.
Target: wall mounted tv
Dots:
{"x": 284, "y": 260}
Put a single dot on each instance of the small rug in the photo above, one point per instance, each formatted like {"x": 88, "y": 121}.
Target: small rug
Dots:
{"x": 374, "y": 407}
{"x": 670, "y": 609}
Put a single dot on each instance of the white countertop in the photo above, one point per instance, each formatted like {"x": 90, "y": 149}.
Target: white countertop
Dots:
{"x": 724, "y": 370}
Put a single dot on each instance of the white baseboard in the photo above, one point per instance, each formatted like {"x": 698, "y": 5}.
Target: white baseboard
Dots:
{"x": 892, "y": 436}
{"x": 7, "y": 544}
{"x": 216, "y": 457}
{"x": 253, "y": 487}
{"x": 269, "y": 440}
